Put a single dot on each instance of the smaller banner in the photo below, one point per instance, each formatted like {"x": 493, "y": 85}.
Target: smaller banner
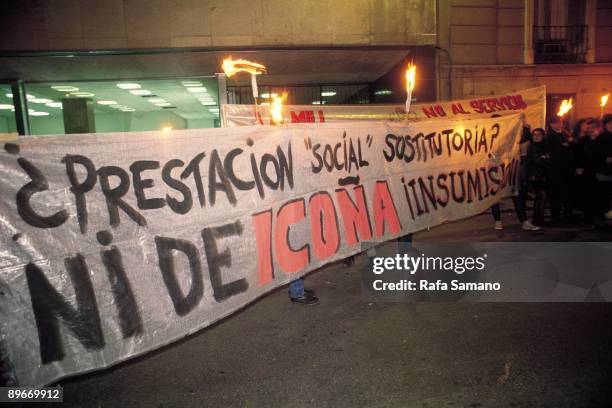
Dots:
{"x": 532, "y": 102}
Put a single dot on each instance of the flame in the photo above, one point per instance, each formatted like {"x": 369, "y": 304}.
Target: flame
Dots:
{"x": 410, "y": 77}
{"x": 231, "y": 67}
{"x": 566, "y": 106}
{"x": 166, "y": 129}
{"x": 604, "y": 100}
{"x": 276, "y": 110}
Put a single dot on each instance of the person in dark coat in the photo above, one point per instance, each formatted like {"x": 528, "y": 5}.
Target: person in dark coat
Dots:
{"x": 559, "y": 149}
{"x": 581, "y": 130}
{"x": 519, "y": 196}
{"x": 537, "y": 166}
{"x": 586, "y": 185}
{"x": 603, "y": 168}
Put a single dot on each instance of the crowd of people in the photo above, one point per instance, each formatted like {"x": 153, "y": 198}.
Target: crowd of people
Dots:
{"x": 568, "y": 171}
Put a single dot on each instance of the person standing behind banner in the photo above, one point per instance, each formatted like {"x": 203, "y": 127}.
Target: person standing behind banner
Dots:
{"x": 519, "y": 196}
{"x": 580, "y": 131}
{"x": 299, "y": 295}
{"x": 603, "y": 168}
{"x": 593, "y": 128}
{"x": 537, "y": 165}
{"x": 559, "y": 148}
{"x": 585, "y": 172}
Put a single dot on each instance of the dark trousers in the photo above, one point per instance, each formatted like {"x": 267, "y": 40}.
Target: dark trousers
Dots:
{"x": 538, "y": 206}
{"x": 603, "y": 196}
{"x": 405, "y": 239}
{"x": 519, "y": 200}
{"x": 559, "y": 197}
{"x": 519, "y": 208}
{"x": 586, "y": 194}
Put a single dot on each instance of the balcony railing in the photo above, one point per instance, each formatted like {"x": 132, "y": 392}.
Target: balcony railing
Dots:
{"x": 560, "y": 44}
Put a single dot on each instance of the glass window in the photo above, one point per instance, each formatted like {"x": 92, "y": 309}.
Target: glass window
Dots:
{"x": 122, "y": 106}
{"x": 7, "y": 110}
{"x": 303, "y": 94}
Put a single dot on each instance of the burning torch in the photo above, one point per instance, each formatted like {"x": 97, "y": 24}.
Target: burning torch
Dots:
{"x": 410, "y": 81}
{"x": 276, "y": 108}
{"x": 566, "y": 106}
{"x": 231, "y": 67}
{"x": 602, "y": 104}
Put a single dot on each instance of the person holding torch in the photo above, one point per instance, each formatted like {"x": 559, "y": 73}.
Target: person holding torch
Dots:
{"x": 296, "y": 290}
{"x": 410, "y": 83}
{"x": 297, "y": 293}
{"x": 558, "y": 145}
{"x": 603, "y": 169}
{"x": 410, "y": 74}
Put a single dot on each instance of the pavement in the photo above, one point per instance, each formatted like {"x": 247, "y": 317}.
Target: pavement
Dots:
{"x": 346, "y": 352}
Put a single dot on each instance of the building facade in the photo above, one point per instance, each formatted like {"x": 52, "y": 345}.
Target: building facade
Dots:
{"x": 494, "y": 46}
{"x": 150, "y": 64}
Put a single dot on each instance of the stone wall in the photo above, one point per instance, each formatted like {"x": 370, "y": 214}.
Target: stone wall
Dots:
{"x": 483, "y": 32}
{"x": 38, "y": 25}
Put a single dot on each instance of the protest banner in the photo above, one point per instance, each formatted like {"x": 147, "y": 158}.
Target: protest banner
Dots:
{"x": 116, "y": 244}
{"x": 532, "y": 102}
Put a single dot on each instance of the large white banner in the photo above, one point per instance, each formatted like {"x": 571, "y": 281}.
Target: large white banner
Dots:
{"x": 531, "y": 102}
{"x": 116, "y": 244}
